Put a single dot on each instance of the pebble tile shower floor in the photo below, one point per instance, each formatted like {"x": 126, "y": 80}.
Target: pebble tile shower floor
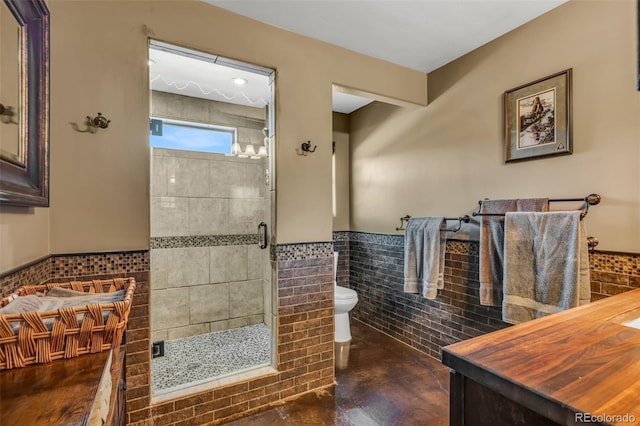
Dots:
{"x": 196, "y": 358}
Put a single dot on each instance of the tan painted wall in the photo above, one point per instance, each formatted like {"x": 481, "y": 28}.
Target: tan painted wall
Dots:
{"x": 24, "y": 235}
{"x": 99, "y": 182}
{"x": 99, "y": 63}
{"x": 341, "y": 171}
{"x": 440, "y": 159}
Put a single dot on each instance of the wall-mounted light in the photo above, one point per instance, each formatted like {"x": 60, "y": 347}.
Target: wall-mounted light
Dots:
{"x": 249, "y": 151}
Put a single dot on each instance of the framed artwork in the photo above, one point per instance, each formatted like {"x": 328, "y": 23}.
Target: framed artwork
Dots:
{"x": 537, "y": 118}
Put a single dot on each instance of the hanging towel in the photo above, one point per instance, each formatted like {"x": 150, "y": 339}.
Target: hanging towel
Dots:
{"x": 424, "y": 249}
{"x": 546, "y": 266}
{"x": 491, "y": 257}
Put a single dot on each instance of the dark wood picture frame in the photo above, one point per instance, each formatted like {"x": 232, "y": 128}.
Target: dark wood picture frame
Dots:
{"x": 537, "y": 118}
{"x": 27, "y": 183}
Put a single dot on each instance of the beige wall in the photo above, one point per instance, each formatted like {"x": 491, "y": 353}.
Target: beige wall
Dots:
{"x": 341, "y": 171}
{"x": 441, "y": 159}
{"x": 100, "y": 183}
{"x": 24, "y": 235}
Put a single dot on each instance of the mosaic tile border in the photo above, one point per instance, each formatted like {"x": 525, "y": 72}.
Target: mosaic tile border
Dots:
{"x": 471, "y": 248}
{"x": 36, "y": 272}
{"x": 341, "y": 235}
{"x": 74, "y": 265}
{"x": 453, "y": 246}
{"x": 204, "y": 241}
{"x": 303, "y": 251}
{"x": 373, "y": 238}
{"x": 619, "y": 263}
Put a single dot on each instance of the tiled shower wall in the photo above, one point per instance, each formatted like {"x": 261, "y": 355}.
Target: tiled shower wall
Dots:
{"x": 248, "y": 121}
{"x": 375, "y": 270}
{"x": 208, "y": 273}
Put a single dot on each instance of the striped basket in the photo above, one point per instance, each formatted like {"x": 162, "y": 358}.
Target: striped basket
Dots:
{"x": 72, "y": 331}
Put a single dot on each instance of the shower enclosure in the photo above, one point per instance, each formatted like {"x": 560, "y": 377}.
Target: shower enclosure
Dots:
{"x": 211, "y": 193}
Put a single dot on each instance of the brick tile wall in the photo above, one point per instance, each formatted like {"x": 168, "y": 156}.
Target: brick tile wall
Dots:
{"x": 375, "y": 271}
{"x": 613, "y": 273}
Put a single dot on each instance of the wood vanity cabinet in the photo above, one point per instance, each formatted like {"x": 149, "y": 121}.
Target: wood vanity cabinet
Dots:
{"x": 66, "y": 392}
{"x": 580, "y": 366}
{"x": 117, "y": 404}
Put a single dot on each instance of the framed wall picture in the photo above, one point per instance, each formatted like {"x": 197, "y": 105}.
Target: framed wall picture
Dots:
{"x": 537, "y": 118}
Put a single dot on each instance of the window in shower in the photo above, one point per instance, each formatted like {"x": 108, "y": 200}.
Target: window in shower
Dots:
{"x": 190, "y": 136}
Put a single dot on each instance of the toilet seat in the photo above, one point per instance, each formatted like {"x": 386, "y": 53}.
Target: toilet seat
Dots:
{"x": 342, "y": 293}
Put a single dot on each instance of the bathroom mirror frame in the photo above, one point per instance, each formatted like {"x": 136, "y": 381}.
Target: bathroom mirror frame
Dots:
{"x": 28, "y": 184}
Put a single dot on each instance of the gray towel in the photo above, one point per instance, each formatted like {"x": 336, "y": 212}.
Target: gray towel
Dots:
{"x": 424, "y": 249}
{"x": 491, "y": 256}
{"x": 546, "y": 266}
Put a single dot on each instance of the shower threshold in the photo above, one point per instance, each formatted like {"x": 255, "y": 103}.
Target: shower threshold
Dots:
{"x": 195, "y": 360}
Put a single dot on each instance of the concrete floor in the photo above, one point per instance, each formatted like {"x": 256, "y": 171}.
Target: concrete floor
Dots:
{"x": 379, "y": 381}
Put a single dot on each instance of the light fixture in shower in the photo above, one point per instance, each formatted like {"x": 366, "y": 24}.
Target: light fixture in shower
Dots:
{"x": 239, "y": 81}
{"x": 262, "y": 151}
{"x": 249, "y": 151}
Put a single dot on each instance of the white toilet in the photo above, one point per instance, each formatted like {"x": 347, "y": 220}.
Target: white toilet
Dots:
{"x": 345, "y": 300}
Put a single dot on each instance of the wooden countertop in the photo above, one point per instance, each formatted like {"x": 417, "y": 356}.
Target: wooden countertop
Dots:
{"x": 577, "y": 361}
{"x": 58, "y": 393}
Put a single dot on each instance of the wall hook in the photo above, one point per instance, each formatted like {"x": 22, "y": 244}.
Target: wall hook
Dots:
{"x": 306, "y": 148}
{"x": 93, "y": 124}
{"x": 99, "y": 121}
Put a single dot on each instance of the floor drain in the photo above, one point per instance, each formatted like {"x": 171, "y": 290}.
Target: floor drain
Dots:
{"x": 193, "y": 365}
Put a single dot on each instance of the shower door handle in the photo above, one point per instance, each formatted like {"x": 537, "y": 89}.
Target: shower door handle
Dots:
{"x": 262, "y": 235}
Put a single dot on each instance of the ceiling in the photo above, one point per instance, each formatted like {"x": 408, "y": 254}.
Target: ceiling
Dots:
{"x": 420, "y": 34}
{"x": 186, "y": 72}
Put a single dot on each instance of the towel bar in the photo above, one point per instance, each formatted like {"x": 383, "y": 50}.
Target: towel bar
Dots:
{"x": 589, "y": 200}
{"x": 460, "y": 220}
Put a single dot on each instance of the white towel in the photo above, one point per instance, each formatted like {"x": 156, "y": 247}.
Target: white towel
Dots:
{"x": 424, "y": 249}
{"x": 546, "y": 266}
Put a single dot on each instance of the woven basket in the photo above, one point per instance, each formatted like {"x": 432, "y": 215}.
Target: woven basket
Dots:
{"x": 66, "y": 336}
